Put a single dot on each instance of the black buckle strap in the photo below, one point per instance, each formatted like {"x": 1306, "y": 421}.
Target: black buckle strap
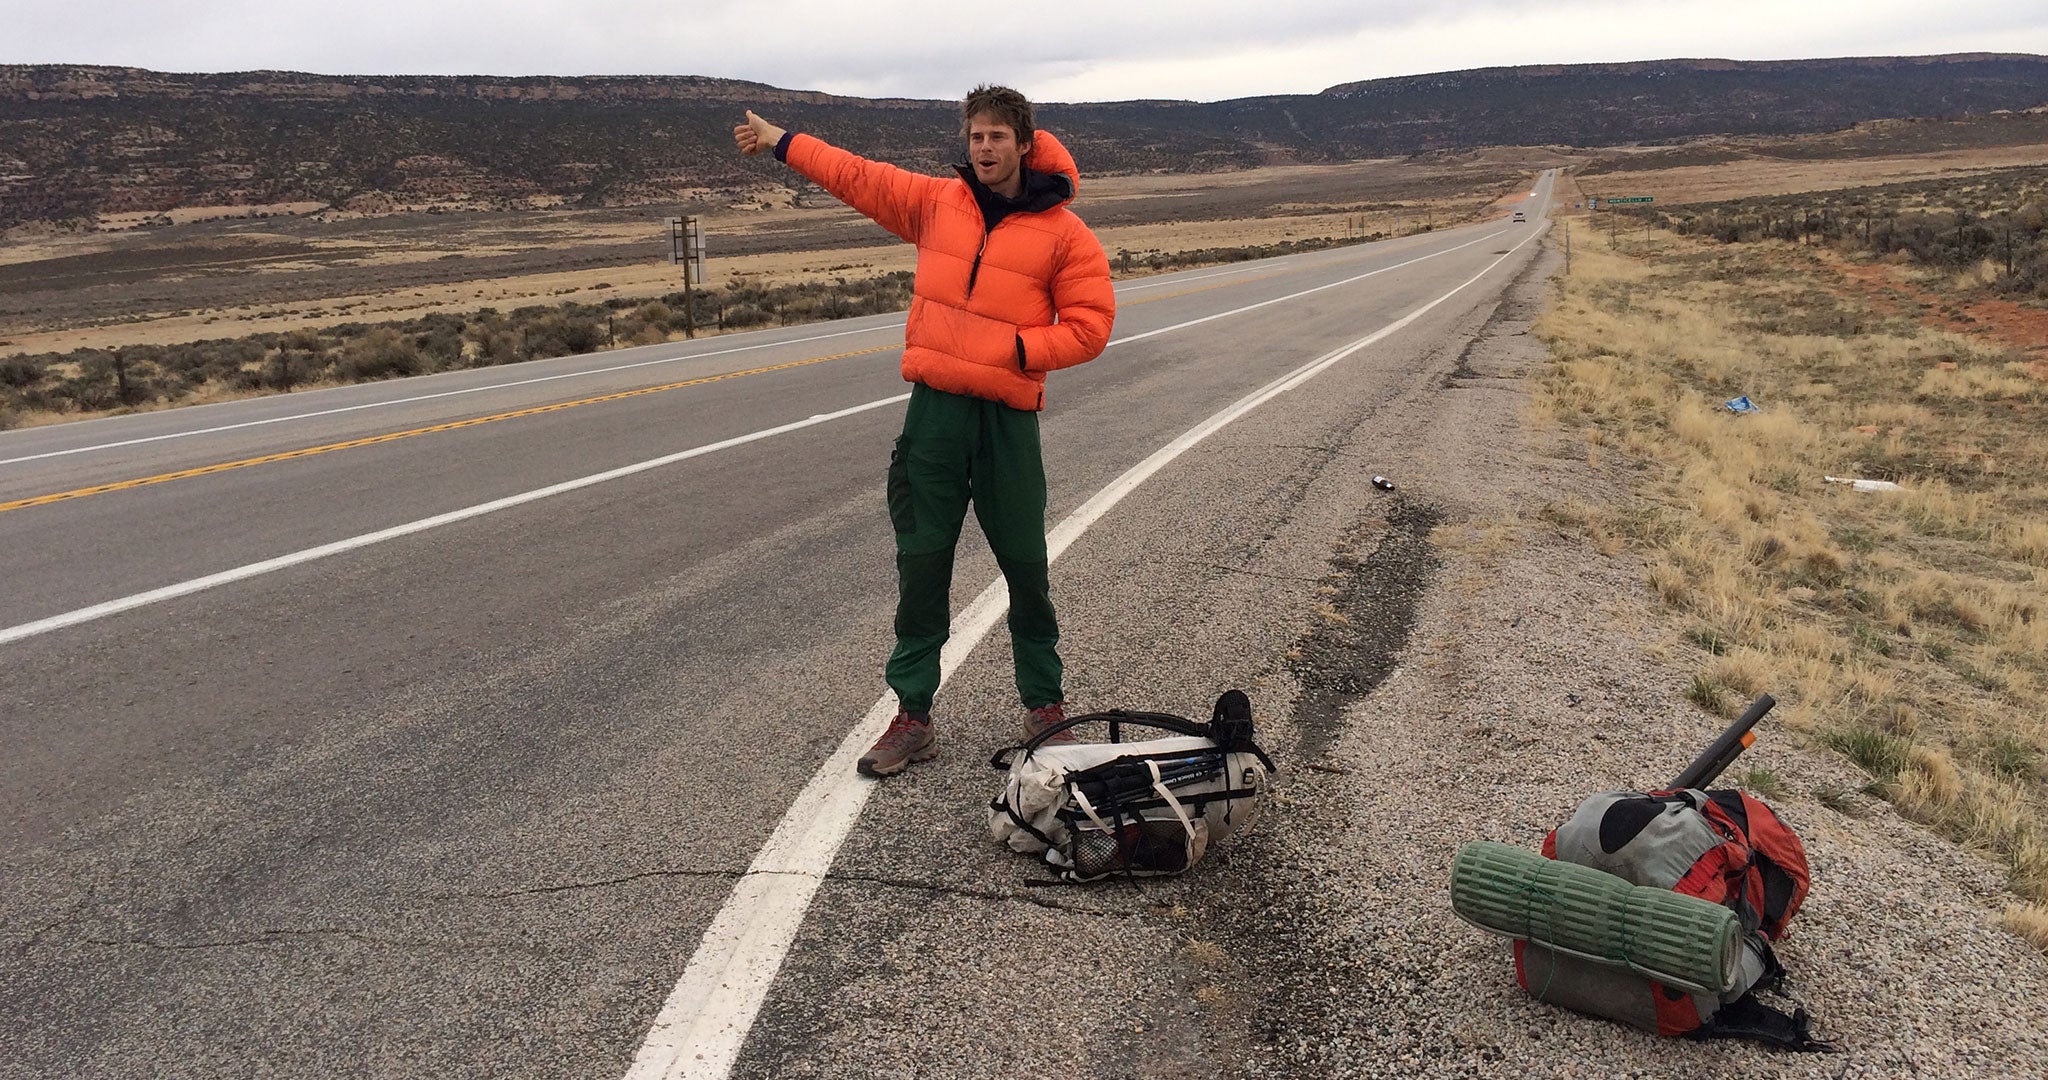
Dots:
{"x": 1116, "y": 718}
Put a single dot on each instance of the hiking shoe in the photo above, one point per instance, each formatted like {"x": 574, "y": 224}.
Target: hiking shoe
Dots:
{"x": 909, "y": 739}
{"x": 1045, "y": 716}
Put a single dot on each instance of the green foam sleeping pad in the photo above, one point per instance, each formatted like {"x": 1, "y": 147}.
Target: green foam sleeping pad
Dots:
{"x": 1681, "y": 941}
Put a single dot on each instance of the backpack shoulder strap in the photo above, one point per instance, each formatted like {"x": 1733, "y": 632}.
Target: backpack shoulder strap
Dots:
{"x": 1116, "y": 718}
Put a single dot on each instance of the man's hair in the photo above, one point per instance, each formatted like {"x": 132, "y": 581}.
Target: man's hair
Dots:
{"x": 1001, "y": 105}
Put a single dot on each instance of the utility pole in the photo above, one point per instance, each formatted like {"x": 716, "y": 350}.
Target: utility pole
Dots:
{"x": 1567, "y": 248}
{"x": 686, "y": 247}
{"x": 689, "y": 304}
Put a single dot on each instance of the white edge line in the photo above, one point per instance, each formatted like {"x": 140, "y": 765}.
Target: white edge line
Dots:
{"x": 444, "y": 394}
{"x": 1305, "y": 292}
{"x": 701, "y": 1026}
{"x": 13, "y": 634}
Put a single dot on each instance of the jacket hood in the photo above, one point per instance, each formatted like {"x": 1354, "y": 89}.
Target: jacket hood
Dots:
{"x": 1049, "y": 156}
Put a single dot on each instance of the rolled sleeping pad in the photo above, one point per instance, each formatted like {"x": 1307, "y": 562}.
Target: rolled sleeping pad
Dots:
{"x": 1679, "y": 940}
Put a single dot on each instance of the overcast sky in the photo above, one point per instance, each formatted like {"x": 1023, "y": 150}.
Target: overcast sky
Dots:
{"x": 1199, "y": 49}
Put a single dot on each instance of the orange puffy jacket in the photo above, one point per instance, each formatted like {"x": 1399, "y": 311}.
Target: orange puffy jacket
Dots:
{"x": 1039, "y": 279}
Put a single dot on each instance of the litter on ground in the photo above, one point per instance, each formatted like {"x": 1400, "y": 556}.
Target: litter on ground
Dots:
{"x": 1864, "y": 485}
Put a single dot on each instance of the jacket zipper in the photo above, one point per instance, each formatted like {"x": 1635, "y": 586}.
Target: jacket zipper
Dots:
{"x": 975, "y": 271}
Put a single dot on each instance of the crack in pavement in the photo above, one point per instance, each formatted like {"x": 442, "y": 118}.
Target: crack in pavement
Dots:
{"x": 730, "y": 875}
{"x": 573, "y": 886}
{"x": 286, "y": 936}
{"x": 981, "y": 894}
{"x": 1462, "y": 373}
{"x": 35, "y": 937}
{"x": 267, "y": 937}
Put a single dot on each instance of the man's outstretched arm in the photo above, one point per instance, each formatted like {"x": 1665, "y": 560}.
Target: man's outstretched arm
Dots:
{"x": 893, "y": 197}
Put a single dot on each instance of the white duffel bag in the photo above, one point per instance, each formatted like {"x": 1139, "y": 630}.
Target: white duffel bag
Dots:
{"x": 1135, "y": 809}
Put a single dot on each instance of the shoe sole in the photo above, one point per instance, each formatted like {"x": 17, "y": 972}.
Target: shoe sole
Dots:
{"x": 866, "y": 766}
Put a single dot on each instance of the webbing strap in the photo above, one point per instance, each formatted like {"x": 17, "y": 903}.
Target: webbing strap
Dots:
{"x": 1116, "y": 718}
{"x": 1172, "y": 803}
{"x": 1088, "y": 808}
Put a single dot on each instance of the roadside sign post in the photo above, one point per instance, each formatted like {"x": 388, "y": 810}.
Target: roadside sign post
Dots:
{"x": 1635, "y": 200}
{"x": 686, "y": 249}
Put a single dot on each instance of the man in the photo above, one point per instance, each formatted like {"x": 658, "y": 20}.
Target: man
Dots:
{"x": 1010, "y": 285}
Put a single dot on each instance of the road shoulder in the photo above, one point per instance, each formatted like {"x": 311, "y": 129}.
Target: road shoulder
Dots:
{"x": 1538, "y": 672}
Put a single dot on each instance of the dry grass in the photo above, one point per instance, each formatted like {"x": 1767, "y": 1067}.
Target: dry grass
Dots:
{"x": 2029, "y": 921}
{"x": 1906, "y": 629}
{"x": 207, "y": 394}
{"x": 1780, "y": 176}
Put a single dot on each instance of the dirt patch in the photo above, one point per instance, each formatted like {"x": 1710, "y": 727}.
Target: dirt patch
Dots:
{"x": 1889, "y": 290}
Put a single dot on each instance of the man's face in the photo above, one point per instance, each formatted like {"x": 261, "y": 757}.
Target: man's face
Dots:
{"x": 995, "y": 152}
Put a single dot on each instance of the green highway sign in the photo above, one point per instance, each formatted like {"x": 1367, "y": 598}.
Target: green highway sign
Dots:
{"x": 1632, "y": 199}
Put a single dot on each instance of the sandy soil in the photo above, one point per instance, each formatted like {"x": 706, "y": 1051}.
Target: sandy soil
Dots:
{"x": 1771, "y": 176}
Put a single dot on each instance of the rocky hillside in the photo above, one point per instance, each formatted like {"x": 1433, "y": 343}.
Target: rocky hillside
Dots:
{"x": 78, "y": 143}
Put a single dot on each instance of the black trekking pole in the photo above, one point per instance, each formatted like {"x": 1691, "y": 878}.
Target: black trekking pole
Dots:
{"x": 1724, "y": 750}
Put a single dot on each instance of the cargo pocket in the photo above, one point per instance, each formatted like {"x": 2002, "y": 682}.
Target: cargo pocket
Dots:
{"x": 902, "y": 514}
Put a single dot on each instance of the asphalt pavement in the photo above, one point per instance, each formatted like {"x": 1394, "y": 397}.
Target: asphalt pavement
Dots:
{"x": 422, "y": 728}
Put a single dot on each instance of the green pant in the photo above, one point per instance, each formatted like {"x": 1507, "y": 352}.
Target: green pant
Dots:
{"x": 956, "y": 449}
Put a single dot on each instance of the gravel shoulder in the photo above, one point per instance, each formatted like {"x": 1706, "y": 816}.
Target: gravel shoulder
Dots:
{"x": 1537, "y": 671}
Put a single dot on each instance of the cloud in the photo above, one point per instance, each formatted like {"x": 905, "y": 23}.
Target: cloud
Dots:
{"x": 1202, "y": 49}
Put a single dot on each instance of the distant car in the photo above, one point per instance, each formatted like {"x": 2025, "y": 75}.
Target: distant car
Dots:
{"x": 1520, "y": 217}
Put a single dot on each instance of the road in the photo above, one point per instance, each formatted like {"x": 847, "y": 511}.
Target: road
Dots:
{"x": 426, "y": 727}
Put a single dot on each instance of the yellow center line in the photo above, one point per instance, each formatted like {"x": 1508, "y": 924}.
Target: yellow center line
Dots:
{"x": 374, "y": 440}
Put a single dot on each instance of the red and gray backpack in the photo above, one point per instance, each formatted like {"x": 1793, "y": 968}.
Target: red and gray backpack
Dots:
{"x": 1721, "y": 846}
